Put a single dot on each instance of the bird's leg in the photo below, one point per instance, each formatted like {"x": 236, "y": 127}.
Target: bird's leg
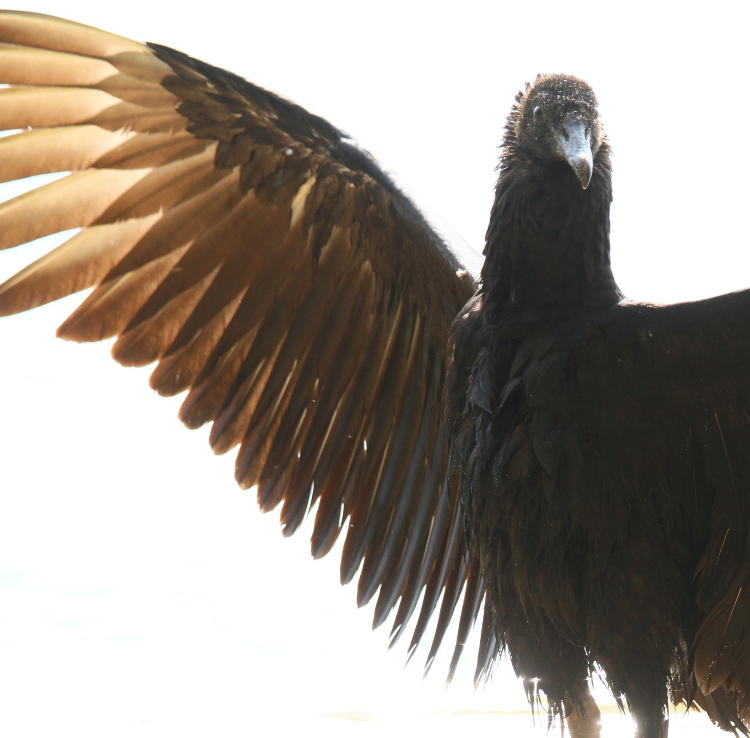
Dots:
{"x": 649, "y": 714}
{"x": 583, "y": 716}
{"x": 651, "y": 726}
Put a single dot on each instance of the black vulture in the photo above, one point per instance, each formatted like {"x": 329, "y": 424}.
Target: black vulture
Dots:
{"x": 531, "y": 447}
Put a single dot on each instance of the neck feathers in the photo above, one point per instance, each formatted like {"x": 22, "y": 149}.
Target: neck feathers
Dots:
{"x": 547, "y": 246}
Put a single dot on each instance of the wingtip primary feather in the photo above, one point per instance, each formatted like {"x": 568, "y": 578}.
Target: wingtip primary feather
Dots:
{"x": 59, "y": 34}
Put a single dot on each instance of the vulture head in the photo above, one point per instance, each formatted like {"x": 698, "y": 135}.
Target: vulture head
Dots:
{"x": 556, "y": 119}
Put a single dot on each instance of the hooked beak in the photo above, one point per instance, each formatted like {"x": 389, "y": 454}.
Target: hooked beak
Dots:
{"x": 575, "y": 147}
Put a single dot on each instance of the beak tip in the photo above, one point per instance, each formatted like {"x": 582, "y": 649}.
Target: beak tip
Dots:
{"x": 583, "y": 170}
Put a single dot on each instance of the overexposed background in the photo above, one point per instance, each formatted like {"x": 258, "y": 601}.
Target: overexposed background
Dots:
{"x": 142, "y": 593}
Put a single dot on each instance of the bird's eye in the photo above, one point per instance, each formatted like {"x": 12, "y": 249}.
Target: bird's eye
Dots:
{"x": 538, "y": 113}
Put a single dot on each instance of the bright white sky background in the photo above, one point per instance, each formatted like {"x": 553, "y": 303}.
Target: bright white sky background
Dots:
{"x": 142, "y": 593}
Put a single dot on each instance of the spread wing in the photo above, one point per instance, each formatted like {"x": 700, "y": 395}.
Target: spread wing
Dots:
{"x": 270, "y": 268}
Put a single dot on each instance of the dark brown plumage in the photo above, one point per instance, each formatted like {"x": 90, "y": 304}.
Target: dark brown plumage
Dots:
{"x": 595, "y": 507}
{"x": 599, "y": 453}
